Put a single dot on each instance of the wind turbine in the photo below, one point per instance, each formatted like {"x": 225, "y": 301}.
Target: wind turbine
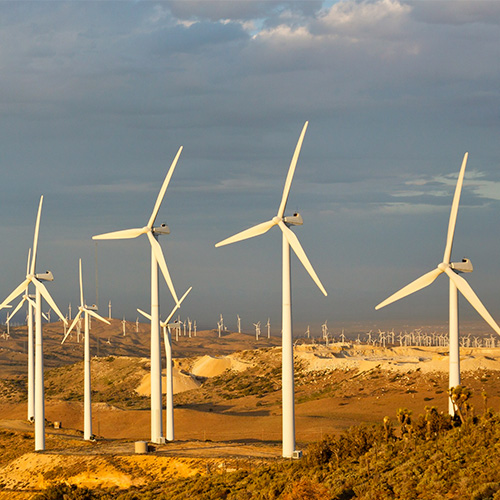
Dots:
{"x": 86, "y": 311}
{"x": 169, "y": 390}
{"x": 288, "y": 240}
{"x": 41, "y": 291}
{"x": 157, "y": 258}
{"x": 31, "y": 352}
{"x": 451, "y": 269}
{"x": 257, "y": 330}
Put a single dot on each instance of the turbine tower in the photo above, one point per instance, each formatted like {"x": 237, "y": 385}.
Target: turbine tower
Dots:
{"x": 157, "y": 258}
{"x": 41, "y": 291}
{"x": 86, "y": 311}
{"x": 288, "y": 240}
{"x": 451, "y": 269}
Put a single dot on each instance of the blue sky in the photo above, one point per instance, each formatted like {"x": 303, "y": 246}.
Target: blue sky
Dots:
{"x": 96, "y": 98}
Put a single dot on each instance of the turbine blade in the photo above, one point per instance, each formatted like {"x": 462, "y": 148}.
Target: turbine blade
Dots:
{"x": 28, "y": 264}
{"x": 82, "y": 303}
{"x": 454, "y": 211}
{"x": 469, "y": 294}
{"x": 32, "y": 302}
{"x": 248, "y": 233}
{"x": 145, "y": 314}
{"x": 75, "y": 321}
{"x": 297, "y": 248}
{"x": 177, "y": 306}
{"x": 165, "y": 336}
{"x": 97, "y": 316}
{"x": 124, "y": 234}
{"x": 46, "y": 295}
{"x": 35, "y": 237}
{"x": 19, "y": 305}
{"x": 163, "y": 265}
{"x": 291, "y": 171}
{"x": 161, "y": 194}
{"x": 17, "y": 291}
{"x": 413, "y": 287}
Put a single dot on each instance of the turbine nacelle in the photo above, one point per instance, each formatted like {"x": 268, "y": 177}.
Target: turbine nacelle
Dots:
{"x": 162, "y": 229}
{"x": 462, "y": 267}
{"x": 294, "y": 220}
{"x": 46, "y": 276}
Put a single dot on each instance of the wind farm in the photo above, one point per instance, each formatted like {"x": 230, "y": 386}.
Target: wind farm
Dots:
{"x": 219, "y": 356}
{"x": 214, "y": 381}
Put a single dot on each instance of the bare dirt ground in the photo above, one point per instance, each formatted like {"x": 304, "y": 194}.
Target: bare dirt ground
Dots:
{"x": 230, "y": 417}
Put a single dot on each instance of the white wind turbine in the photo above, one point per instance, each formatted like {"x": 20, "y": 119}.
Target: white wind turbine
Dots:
{"x": 239, "y": 323}
{"x": 157, "y": 258}
{"x": 87, "y": 311}
{"x": 169, "y": 390}
{"x": 288, "y": 240}
{"x": 31, "y": 352}
{"x": 257, "y": 330}
{"x": 451, "y": 269}
{"x": 41, "y": 291}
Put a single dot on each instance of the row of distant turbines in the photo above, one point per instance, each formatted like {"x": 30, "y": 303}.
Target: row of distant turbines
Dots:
{"x": 289, "y": 240}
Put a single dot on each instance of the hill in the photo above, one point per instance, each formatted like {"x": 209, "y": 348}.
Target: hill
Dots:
{"x": 227, "y": 402}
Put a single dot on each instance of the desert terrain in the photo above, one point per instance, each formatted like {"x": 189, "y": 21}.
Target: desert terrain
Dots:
{"x": 227, "y": 401}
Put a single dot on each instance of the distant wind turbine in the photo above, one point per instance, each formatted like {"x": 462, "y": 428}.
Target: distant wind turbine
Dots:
{"x": 288, "y": 240}
{"x": 451, "y": 269}
{"x": 157, "y": 258}
{"x": 169, "y": 390}
{"x": 86, "y": 311}
{"x": 31, "y": 345}
{"x": 41, "y": 291}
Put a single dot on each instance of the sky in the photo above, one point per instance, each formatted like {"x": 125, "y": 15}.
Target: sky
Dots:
{"x": 97, "y": 97}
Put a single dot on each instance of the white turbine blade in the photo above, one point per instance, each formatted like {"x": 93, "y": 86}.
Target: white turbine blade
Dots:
{"x": 248, "y": 233}
{"x": 75, "y": 321}
{"x": 291, "y": 171}
{"x": 161, "y": 194}
{"x": 177, "y": 306}
{"x": 28, "y": 264}
{"x": 297, "y": 248}
{"x": 97, "y": 316}
{"x": 18, "y": 291}
{"x": 163, "y": 265}
{"x": 46, "y": 295}
{"x": 124, "y": 234}
{"x": 82, "y": 303}
{"x": 469, "y": 294}
{"x": 165, "y": 337}
{"x": 413, "y": 287}
{"x": 19, "y": 305}
{"x": 454, "y": 211}
{"x": 145, "y": 314}
{"x": 45, "y": 317}
{"x": 32, "y": 302}
{"x": 35, "y": 237}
